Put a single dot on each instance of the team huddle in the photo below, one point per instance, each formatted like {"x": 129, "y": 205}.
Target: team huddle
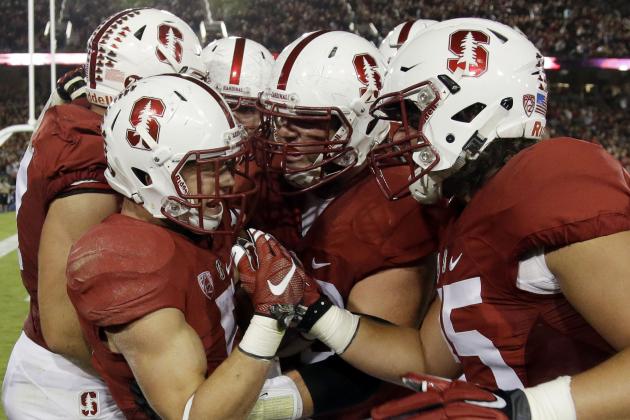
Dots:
{"x": 339, "y": 232}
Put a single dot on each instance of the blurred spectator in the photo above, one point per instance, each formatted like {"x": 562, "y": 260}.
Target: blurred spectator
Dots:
{"x": 566, "y": 29}
{"x": 576, "y": 29}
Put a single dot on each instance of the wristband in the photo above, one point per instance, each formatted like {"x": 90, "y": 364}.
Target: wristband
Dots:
{"x": 262, "y": 338}
{"x": 551, "y": 400}
{"x": 336, "y": 328}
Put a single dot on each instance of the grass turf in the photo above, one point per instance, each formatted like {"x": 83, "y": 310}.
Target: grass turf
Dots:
{"x": 12, "y": 299}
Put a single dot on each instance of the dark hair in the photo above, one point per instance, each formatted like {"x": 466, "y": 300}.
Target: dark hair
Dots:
{"x": 465, "y": 182}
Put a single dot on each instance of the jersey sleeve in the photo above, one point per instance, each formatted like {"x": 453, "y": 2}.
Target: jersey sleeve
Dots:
{"x": 407, "y": 236}
{"x": 116, "y": 277}
{"x": 581, "y": 193}
{"x": 69, "y": 155}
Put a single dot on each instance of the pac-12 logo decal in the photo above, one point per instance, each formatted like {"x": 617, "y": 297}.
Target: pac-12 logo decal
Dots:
{"x": 171, "y": 38}
{"x": 368, "y": 73}
{"x": 143, "y": 119}
{"x": 528, "y": 104}
{"x": 206, "y": 284}
{"x": 88, "y": 404}
{"x": 472, "y": 57}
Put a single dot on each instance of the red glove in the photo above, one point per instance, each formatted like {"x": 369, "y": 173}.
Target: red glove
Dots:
{"x": 272, "y": 277}
{"x": 440, "y": 398}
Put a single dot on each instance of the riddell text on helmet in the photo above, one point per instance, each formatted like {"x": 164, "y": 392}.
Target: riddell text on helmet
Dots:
{"x": 99, "y": 100}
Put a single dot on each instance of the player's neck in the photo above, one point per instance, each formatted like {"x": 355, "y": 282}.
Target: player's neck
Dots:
{"x": 136, "y": 211}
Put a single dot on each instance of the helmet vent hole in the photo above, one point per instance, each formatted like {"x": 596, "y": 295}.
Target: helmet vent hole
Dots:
{"x": 142, "y": 176}
{"x": 332, "y": 52}
{"x": 138, "y": 34}
{"x": 469, "y": 113}
{"x": 450, "y": 84}
{"x": 503, "y": 38}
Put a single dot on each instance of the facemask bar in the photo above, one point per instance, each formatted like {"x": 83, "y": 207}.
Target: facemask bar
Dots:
{"x": 325, "y": 155}
{"x": 411, "y": 107}
{"x": 227, "y": 203}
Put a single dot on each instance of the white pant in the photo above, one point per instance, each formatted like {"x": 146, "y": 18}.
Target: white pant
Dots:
{"x": 41, "y": 385}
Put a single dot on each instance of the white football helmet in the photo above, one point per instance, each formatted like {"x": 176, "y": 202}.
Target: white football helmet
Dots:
{"x": 400, "y": 35}
{"x": 161, "y": 126}
{"x": 136, "y": 43}
{"x": 455, "y": 88}
{"x": 238, "y": 68}
{"x": 328, "y": 78}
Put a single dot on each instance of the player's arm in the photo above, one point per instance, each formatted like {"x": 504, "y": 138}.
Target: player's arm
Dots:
{"x": 168, "y": 360}
{"x": 399, "y": 296}
{"x": 383, "y": 350}
{"x": 68, "y": 218}
{"x": 595, "y": 277}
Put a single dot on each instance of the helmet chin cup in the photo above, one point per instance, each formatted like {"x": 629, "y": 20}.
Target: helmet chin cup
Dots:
{"x": 426, "y": 190}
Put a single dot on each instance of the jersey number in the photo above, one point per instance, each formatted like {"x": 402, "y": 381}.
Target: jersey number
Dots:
{"x": 225, "y": 303}
{"x": 472, "y": 343}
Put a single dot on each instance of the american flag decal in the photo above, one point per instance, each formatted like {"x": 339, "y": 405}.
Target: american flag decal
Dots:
{"x": 541, "y": 104}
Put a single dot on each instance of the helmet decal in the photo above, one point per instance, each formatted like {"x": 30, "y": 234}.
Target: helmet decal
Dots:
{"x": 97, "y": 59}
{"x": 528, "y": 104}
{"x": 171, "y": 38}
{"x": 367, "y": 72}
{"x": 404, "y": 32}
{"x": 143, "y": 118}
{"x": 472, "y": 57}
{"x": 237, "y": 61}
{"x": 288, "y": 65}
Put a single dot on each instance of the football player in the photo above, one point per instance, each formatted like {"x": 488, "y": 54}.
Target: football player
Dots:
{"x": 402, "y": 33}
{"x": 155, "y": 302}
{"x": 348, "y": 236}
{"x": 532, "y": 273}
{"x": 61, "y": 193}
{"x": 239, "y": 68}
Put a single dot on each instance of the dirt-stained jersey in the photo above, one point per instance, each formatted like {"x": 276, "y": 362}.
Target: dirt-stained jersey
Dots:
{"x": 503, "y": 312}
{"x": 66, "y": 157}
{"x": 124, "y": 269}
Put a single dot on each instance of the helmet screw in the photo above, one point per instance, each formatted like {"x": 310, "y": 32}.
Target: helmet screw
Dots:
{"x": 450, "y": 138}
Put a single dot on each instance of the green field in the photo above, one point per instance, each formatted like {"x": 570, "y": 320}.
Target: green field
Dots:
{"x": 12, "y": 299}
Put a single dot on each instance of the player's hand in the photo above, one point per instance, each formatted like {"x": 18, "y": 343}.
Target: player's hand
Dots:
{"x": 439, "y": 398}
{"x": 71, "y": 85}
{"x": 273, "y": 278}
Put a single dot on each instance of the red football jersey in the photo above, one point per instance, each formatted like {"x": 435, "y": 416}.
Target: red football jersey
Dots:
{"x": 503, "y": 312}
{"x": 66, "y": 157}
{"x": 356, "y": 234}
{"x": 359, "y": 233}
{"x": 124, "y": 269}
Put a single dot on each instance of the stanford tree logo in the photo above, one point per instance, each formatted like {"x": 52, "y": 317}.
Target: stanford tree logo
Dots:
{"x": 171, "y": 38}
{"x": 472, "y": 57}
{"x": 368, "y": 74}
{"x": 143, "y": 120}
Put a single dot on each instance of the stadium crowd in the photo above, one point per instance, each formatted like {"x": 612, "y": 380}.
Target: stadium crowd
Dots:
{"x": 579, "y": 29}
{"x": 568, "y": 30}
